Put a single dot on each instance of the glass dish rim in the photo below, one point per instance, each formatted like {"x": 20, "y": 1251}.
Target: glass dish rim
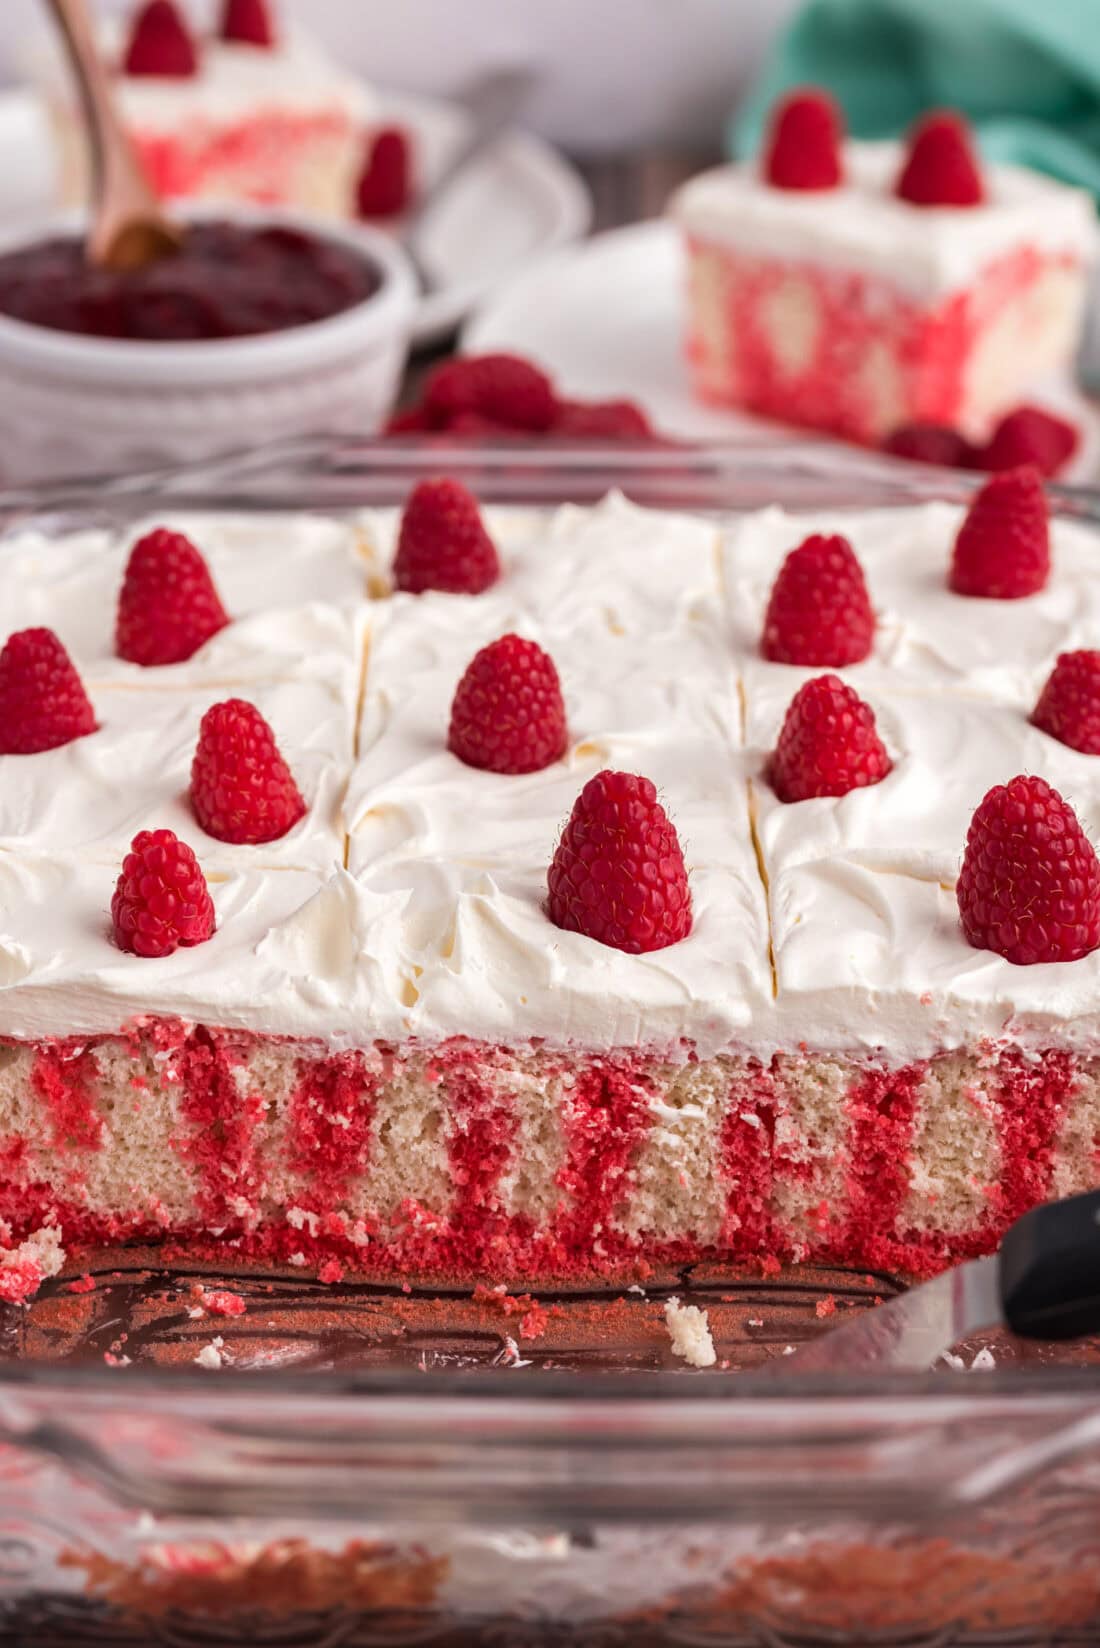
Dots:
{"x": 335, "y": 474}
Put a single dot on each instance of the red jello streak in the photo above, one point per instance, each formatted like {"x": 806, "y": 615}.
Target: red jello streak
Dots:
{"x": 881, "y": 1107}
{"x": 64, "y": 1076}
{"x": 481, "y": 1143}
{"x": 255, "y": 151}
{"x": 224, "y": 1117}
{"x": 747, "y": 1146}
{"x": 1033, "y": 1098}
{"x": 607, "y": 1118}
{"x": 331, "y": 1120}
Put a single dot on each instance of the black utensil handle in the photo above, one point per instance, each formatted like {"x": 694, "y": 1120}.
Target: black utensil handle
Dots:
{"x": 1050, "y": 1270}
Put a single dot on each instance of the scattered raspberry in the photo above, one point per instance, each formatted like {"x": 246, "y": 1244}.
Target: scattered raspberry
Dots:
{"x": 602, "y": 421}
{"x": 412, "y": 422}
{"x": 931, "y": 443}
{"x": 1069, "y": 704}
{"x": 82, "y": 1284}
{"x": 168, "y": 606}
{"x": 505, "y": 388}
{"x": 940, "y": 167}
{"x": 241, "y": 788}
{"x": 828, "y": 744}
{"x": 42, "y": 699}
{"x": 825, "y": 1307}
{"x": 161, "y": 44}
{"x": 475, "y": 426}
{"x": 1003, "y": 547}
{"x": 1030, "y": 436}
{"x": 803, "y": 144}
{"x": 618, "y": 872}
{"x": 161, "y": 900}
{"x": 1029, "y": 887}
{"x": 385, "y": 183}
{"x": 442, "y": 543}
{"x": 819, "y": 612}
{"x": 248, "y": 22}
{"x": 508, "y": 715}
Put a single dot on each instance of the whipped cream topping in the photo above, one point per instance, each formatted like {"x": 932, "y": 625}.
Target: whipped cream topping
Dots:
{"x": 410, "y": 902}
{"x": 234, "y": 83}
{"x": 862, "y": 225}
{"x": 294, "y": 587}
{"x": 95, "y": 794}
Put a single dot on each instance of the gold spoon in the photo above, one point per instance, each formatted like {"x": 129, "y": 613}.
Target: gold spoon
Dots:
{"x": 128, "y": 228}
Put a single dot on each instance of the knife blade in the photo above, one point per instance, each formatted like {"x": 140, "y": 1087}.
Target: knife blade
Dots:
{"x": 1043, "y": 1284}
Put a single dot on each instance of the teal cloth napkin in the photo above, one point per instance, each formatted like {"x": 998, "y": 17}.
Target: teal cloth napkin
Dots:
{"x": 1026, "y": 72}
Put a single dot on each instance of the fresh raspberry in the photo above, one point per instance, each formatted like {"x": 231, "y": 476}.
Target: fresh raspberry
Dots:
{"x": 819, "y": 612}
{"x": 161, "y": 44}
{"x": 940, "y": 167}
{"x": 602, "y": 421}
{"x": 505, "y": 388}
{"x": 803, "y": 144}
{"x": 828, "y": 743}
{"x": 384, "y": 188}
{"x": 42, "y": 699}
{"x": 931, "y": 443}
{"x": 241, "y": 788}
{"x": 1030, "y": 435}
{"x": 508, "y": 715}
{"x": 249, "y": 22}
{"x": 1029, "y": 887}
{"x": 475, "y": 426}
{"x": 168, "y": 606}
{"x": 442, "y": 543}
{"x": 1069, "y": 704}
{"x": 412, "y": 422}
{"x": 1003, "y": 546}
{"x": 161, "y": 900}
{"x": 618, "y": 872}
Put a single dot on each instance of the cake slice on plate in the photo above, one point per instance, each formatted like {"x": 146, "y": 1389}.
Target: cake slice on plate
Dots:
{"x": 256, "y": 112}
{"x": 859, "y": 287}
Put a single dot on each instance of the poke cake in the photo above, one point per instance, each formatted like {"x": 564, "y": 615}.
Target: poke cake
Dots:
{"x": 860, "y": 287}
{"x": 543, "y": 894}
{"x": 257, "y": 111}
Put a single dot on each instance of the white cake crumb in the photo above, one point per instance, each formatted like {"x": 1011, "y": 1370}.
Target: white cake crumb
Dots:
{"x": 788, "y": 1350}
{"x": 510, "y": 1357}
{"x": 955, "y": 1363}
{"x": 210, "y": 1356}
{"x": 689, "y": 1331}
{"x": 984, "y": 1362}
{"x": 636, "y": 1287}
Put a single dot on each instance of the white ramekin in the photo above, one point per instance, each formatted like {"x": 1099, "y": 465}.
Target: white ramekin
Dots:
{"x": 73, "y": 405}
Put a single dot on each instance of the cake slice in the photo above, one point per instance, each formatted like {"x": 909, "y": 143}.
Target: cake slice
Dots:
{"x": 684, "y": 979}
{"x": 859, "y": 287}
{"x": 255, "y": 112}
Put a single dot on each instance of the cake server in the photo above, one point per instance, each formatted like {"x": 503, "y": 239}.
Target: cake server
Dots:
{"x": 1043, "y": 1284}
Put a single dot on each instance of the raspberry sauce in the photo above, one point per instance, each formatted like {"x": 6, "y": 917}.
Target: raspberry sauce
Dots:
{"x": 229, "y": 280}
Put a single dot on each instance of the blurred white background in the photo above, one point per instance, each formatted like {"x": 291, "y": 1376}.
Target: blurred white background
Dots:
{"x": 616, "y": 74}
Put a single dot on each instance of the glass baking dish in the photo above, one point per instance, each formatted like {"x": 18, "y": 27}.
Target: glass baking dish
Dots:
{"x": 358, "y": 1464}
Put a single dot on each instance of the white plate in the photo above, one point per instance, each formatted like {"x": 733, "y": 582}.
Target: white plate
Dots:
{"x": 521, "y": 200}
{"x": 606, "y": 319}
